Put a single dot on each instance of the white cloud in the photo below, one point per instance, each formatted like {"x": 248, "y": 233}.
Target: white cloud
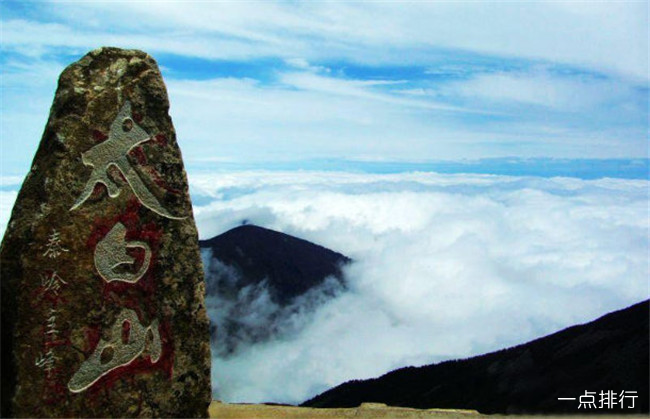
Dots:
{"x": 362, "y": 89}
{"x": 610, "y": 36}
{"x": 542, "y": 88}
{"x": 11, "y": 180}
{"x": 274, "y": 122}
{"x": 7, "y": 199}
{"x": 306, "y": 115}
{"x": 446, "y": 266}
{"x": 27, "y": 91}
{"x": 303, "y": 64}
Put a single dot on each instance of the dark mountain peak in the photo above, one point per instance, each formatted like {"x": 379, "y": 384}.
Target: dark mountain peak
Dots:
{"x": 289, "y": 265}
{"x": 257, "y": 279}
{"x": 607, "y": 354}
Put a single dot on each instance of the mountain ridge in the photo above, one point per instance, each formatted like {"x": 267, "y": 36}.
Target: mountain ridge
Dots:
{"x": 609, "y": 353}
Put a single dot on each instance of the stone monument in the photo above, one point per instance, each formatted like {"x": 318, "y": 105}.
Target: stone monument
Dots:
{"x": 102, "y": 284}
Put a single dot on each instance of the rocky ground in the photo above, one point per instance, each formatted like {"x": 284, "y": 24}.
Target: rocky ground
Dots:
{"x": 366, "y": 410}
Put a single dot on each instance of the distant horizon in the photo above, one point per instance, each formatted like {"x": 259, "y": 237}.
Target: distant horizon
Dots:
{"x": 586, "y": 169}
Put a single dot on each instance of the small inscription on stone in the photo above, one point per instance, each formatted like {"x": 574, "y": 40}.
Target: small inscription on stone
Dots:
{"x": 53, "y": 247}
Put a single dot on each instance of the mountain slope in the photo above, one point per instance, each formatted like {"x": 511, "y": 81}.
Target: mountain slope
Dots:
{"x": 291, "y": 266}
{"x": 610, "y": 353}
{"x": 257, "y": 280}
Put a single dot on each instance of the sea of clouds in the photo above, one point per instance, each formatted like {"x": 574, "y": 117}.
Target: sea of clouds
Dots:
{"x": 445, "y": 266}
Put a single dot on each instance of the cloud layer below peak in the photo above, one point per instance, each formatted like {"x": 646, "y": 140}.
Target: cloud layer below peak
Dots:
{"x": 446, "y": 266}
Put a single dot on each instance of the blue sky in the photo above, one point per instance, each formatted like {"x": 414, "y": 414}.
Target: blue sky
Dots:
{"x": 254, "y": 82}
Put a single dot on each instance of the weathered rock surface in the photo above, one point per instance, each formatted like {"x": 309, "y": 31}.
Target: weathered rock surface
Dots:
{"x": 370, "y": 411}
{"x": 102, "y": 284}
{"x": 364, "y": 411}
